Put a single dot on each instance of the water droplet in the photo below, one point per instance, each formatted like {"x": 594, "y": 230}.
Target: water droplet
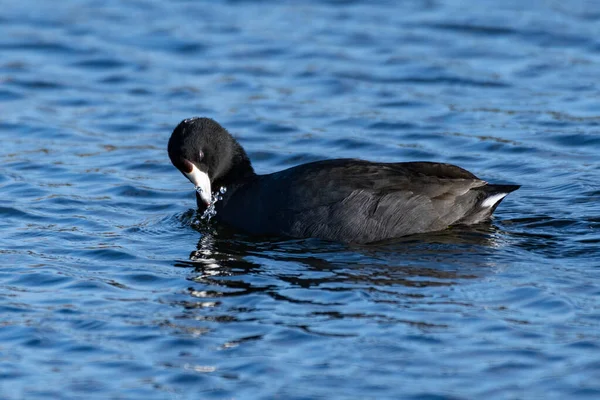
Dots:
{"x": 210, "y": 210}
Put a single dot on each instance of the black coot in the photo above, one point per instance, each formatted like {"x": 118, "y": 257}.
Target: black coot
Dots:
{"x": 345, "y": 200}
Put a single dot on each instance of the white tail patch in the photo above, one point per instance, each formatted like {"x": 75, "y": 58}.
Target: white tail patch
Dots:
{"x": 490, "y": 201}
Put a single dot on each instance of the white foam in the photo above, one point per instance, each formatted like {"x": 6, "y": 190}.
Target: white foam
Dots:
{"x": 492, "y": 200}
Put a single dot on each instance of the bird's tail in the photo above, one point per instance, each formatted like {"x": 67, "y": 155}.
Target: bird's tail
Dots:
{"x": 494, "y": 194}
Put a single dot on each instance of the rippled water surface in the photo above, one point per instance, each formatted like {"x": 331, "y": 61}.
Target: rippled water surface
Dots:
{"x": 110, "y": 288}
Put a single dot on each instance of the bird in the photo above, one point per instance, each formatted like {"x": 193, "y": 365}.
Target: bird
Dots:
{"x": 342, "y": 200}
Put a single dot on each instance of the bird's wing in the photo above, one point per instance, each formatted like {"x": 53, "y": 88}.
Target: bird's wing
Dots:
{"x": 372, "y": 200}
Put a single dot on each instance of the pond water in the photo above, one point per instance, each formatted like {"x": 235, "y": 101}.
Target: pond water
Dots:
{"x": 111, "y": 288}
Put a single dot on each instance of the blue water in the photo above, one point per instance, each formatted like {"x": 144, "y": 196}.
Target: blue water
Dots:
{"x": 110, "y": 288}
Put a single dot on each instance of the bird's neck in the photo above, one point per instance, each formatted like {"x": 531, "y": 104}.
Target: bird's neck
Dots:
{"x": 240, "y": 170}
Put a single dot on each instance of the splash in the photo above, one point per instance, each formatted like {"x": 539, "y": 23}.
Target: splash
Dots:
{"x": 210, "y": 210}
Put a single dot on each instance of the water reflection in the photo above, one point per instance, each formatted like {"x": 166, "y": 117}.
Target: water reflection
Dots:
{"x": 246, "y": 278}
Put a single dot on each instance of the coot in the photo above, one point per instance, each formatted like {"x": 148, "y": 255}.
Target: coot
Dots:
{"x": 345, "y": 200}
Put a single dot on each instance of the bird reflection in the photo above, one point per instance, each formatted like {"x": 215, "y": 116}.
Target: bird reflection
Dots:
{"x": 240, "y": 279}
{"x": 440, "y": 259}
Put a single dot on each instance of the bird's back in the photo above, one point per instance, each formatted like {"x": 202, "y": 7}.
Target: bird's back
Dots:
{"x": 360, "y": 201}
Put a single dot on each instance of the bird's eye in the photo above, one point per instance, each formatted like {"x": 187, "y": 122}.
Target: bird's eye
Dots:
{"x": 200, "y": 155}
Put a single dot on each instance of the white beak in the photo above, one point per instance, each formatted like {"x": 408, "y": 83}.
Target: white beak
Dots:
{"x": 202, "y": 183}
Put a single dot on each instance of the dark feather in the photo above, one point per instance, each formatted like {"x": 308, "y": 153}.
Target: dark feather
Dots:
{"x": 345, "y": 199}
